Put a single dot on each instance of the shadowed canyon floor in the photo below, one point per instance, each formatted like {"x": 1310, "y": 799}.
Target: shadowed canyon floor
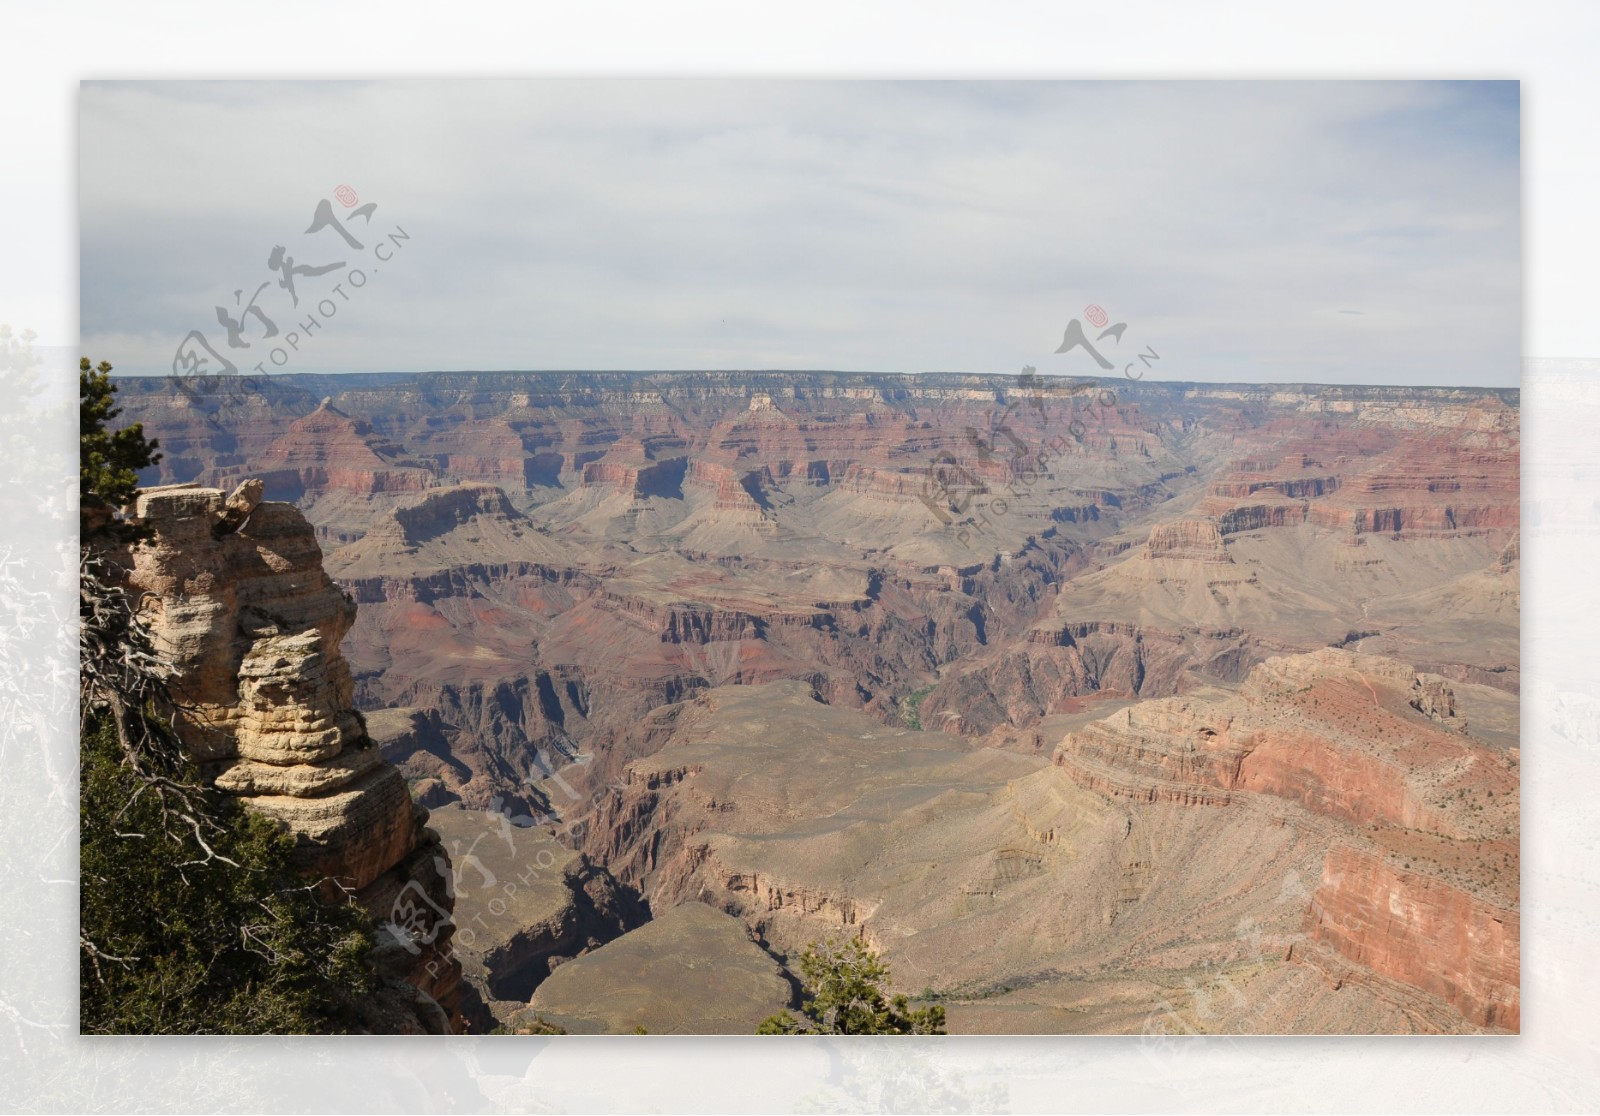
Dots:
{"x": 1096, "y": 707}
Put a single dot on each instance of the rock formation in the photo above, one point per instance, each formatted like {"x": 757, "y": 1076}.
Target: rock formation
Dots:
{"x": 234, "y": 592}
{"x": 1423, "y": 932}
{"x": 1193, "y": 539}
{"x": 745, "y": 638}
{"x": 329, "y": 451}
{"x": 742, "y": 493}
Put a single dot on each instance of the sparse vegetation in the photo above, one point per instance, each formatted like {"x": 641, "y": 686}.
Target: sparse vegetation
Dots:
{"x": 108, "y": 460}
{"x": 911, "y": 707}
{"x": 539, "y": 1026}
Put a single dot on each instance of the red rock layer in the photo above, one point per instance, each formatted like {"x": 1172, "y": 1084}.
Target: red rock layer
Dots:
{"x": 1309, "y": 728}
{"x": 1374, "y": 753}
{"x": 733, "y": 491}
{"x": 1374, "y": 479}
{"x": 1423, "y": 932}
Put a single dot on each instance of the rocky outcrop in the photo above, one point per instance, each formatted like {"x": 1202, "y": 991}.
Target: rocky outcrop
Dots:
{"x": 1254, "y": 517}
{"x": 1398, "y": 475}
{"x": 1356, "y": 738}
{"x": 694, "y": 970}
{"x": 628, "y": 467}
{"x": 329, "y": 451}
{"x": 235, "y": 594}
{"x": 1294, "y": 487}
{"x": 733, "y": 493}
{"x": 442, "y": 510}
{"x": 1419, "y": 881}
{"x": 1058, "y": 665}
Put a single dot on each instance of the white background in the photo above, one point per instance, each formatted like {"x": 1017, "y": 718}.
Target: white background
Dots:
{"x": 1554, "y": 1065}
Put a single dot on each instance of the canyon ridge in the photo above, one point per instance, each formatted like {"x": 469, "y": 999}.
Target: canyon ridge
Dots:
{"x": 1100, "y": 706}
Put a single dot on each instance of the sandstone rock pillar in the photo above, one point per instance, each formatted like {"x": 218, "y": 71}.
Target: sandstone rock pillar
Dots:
{"x": 234, "y": 592}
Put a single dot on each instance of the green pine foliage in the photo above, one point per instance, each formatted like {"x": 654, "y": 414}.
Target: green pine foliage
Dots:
{"x": 108, "y": 460}
{"x": 182, "y": 945}
{"x": 844, "y": 995}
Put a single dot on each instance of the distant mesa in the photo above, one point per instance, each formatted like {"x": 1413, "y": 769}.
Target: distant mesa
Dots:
{"x": 1193, "y": 539}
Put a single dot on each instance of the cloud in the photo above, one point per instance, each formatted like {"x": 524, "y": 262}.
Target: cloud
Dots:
{"x": 893, "y": 226}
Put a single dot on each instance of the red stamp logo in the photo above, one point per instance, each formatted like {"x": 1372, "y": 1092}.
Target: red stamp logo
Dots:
{"x": 346, "y": 196}
{"x": 1096, "y": 315}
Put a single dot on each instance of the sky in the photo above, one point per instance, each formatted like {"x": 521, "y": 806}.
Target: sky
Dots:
{"x": 1314, "y": 232}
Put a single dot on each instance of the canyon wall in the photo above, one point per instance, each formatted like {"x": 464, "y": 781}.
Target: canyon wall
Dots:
{"x": 1265, "y": 623}
{"x": 1329, "y": 828}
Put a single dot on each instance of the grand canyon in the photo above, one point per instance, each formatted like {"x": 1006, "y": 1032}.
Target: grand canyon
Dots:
{"x": 1094, "y": 706}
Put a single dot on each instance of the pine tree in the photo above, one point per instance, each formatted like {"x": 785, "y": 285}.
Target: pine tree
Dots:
{"x": 844, "y": 995}
{"x": 108, "y": 460}
{"x": 176, "y": 942}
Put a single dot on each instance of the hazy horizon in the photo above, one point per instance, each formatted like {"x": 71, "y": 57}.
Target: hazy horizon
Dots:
{"x": 1148, "y": 379}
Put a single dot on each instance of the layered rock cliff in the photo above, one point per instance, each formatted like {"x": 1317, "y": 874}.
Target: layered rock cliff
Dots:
{"x": 1325, "y": 845}
{"x": 234, "y": 593}
{"x": 1194, "y": 539}
{"x": 1421, "y": 931}
{"x": 1419, "y": 886}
